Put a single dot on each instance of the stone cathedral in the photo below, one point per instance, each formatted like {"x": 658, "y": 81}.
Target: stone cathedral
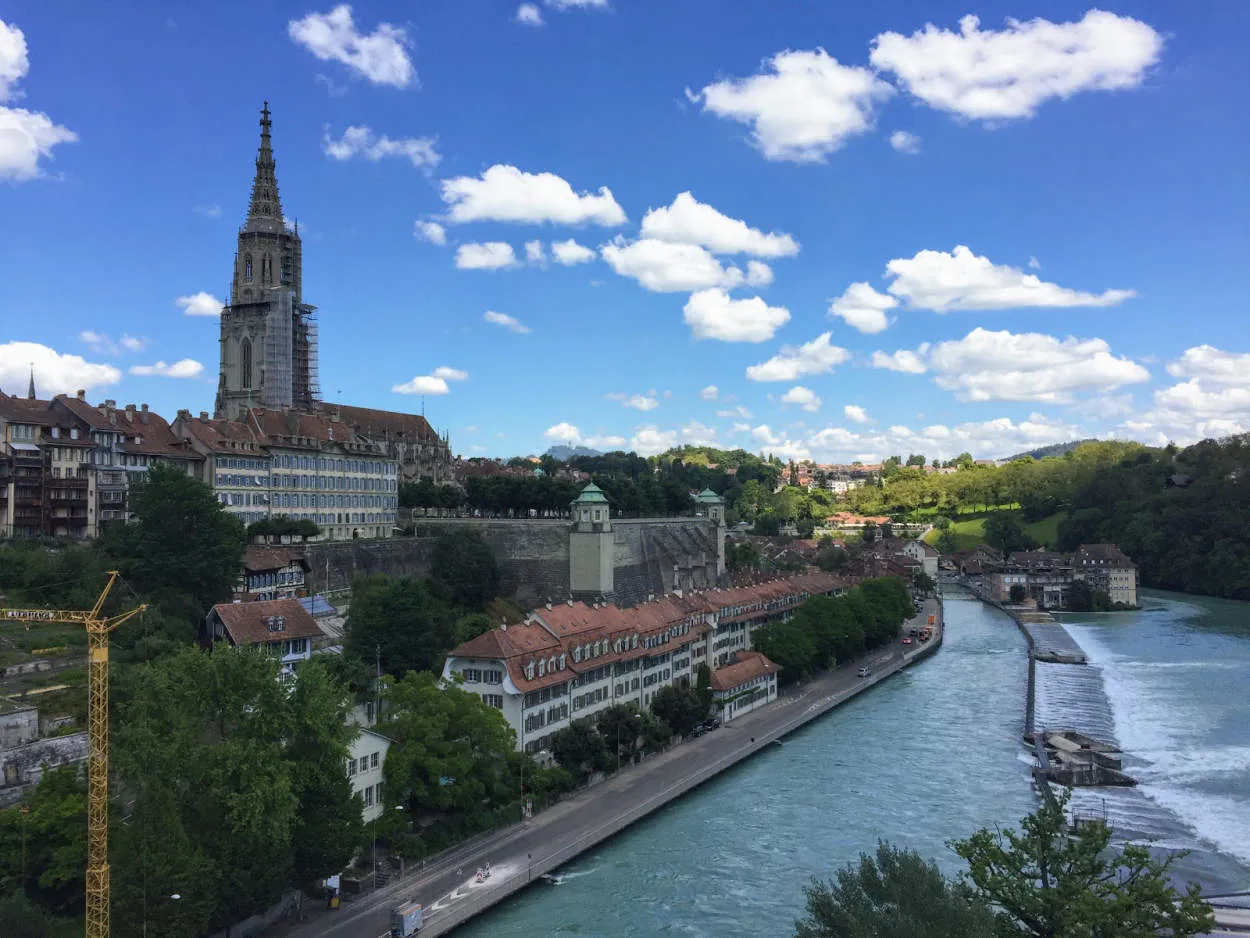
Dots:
{"x": 268, "y": 358}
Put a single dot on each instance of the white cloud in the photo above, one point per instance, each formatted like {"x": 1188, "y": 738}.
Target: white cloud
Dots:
{"x": 738, "y": 411}
{"x": 651, "y": 441}
{"x": 361, "y": 141}
{"x": 670, "y": 267}
{"x": 856, "y": 414}
{"x": 606, "y": 441}
{"x": 450, "y": 374}
{"x": 25, "y": 136}
{"x": 939, "y": 281}
{"x": 759, "y": 274}
{"x": 570, "y": 252}
{"x": 803, "y": 108}
{"x": 381, "y": 56}
{"x": 643, "y": 402}
{"x": 710, "y": 393}
{"x": 534, "y": 253}
{"x": 566, "y": 432}
{"x": 804, "y": 397}
{"x": 564, "y": 5}
{"x": 527, "y": 14}
{"x": 816, "y": 357}
{"x": 199, "y": 304}
{"x": 186, "y": 368}
{"x": 995, "y": 75}
{"x": 908, "y": 362}
{"x": 1034, "y": 263}
{"x": 1208, "y": 363}
{"x": 905, "y": 142}
{"x": 563, "y": 433}
{"x": 863, "y": 308}
{"x": 1004, "y": 366}
{"x": 422, "y": 384}
{"x": 505, "y": 193}
{"x": 503, "y": 319}
{"x": 54, "y": 373}
{"x": 690, "y": 221}
{"x": 100, "y": 342}
{"x": 208, "y": 211}
{"x": 493, "y": 255}
{"x": 711, "y": 314}
{"x": 695, "y": 433}
{"x": 430, "y": 231}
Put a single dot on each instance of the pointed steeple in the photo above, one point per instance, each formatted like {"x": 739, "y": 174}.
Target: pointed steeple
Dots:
{"x": 30, "y": 392}
{"x": 264, "y": 212}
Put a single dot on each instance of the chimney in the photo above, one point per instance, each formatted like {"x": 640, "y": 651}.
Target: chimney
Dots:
{"x": 203, "y": 416}
{"x": 81, "y": 394}
{"x": 130, "y": 413}
{"x": 144, "y": 415}
{"x": 184, "y": 414}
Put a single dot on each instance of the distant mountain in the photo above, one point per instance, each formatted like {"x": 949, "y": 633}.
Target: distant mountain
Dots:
{"x": 564, "y": 452}
{"x": 1055, "y": 449}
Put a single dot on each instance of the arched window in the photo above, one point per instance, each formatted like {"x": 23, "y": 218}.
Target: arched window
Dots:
{"x": 266, "y": 270}
{"x": 245, "y": 351}
{"x": 247, "y": 267}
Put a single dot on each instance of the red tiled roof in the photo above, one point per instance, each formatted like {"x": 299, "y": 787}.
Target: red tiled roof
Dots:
{"x": 222, "y": 436}
{"x": 245, "y": 623}
{"x": 383, "y": 424}
{"x": 24, "y": 410}
{"x": 747, "y": 666}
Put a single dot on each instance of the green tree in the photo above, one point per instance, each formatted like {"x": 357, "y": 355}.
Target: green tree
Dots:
{"x": 895, "y": 893}
{"x": 1018, "y": 592}
{"x": 680, "y": 707}
{"x": 869, "y": 533}
{"x": 946, "y": 542}
{"x": 54, "y": 835}
{"x": 409, "y": 620}
{"x": 472, "y": 625}
{"x": 923, "y": 582}
{"x": 580, "y": 749}
{"x": 22, "y": 918}
{"x": 1046, "y": 881}
{"x": 1003, "y": 530}
{"x": 465, "y": 564}
{"x": 184, "y": 542}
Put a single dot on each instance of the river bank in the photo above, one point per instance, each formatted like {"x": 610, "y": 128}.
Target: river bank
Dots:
{"x": 522, "y": 855}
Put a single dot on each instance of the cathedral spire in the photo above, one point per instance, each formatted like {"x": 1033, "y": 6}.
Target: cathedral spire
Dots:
{"x": 30, "y": 392}
{"x": 264, "y": 212}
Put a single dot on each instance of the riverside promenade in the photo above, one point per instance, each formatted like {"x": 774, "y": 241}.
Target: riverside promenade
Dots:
{"x": 521, "y": 854}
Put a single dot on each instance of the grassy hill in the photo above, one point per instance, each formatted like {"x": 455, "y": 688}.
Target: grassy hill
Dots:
{"x": 969, "y": 530}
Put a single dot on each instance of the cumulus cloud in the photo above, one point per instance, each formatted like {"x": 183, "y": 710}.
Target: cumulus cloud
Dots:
{"x": 710, "y": 392}
{"x": 422, "y": 384}
{"x": 534, "y": 253}
{"x": 1213, "y": 402}
{"x": 1006, "y": 366}
{"x": 448, "y": 373}
{"x": 26, "y": 137}
{"x": 528, "y": 14}
{"x": 362, "y": 141}
{"x": 941, "y": 281}
{"x": 689, "y": 221}
{"x": 101, "y": 342}
{"x": 651, "y": 441}
{"x": 759, "y": 274}
{"x": 380, "y": 57}
{"x": 905, "y": 142}
{"x": 993, "y": 75}
{"x": 816, "y": 357}
{"x": 736, "y": 411}
{"x": 1209, "y": 364}
{"x": 904, "y": 360}
{"x": 671, "y": 267}
{"x": 199, "y": 304}
{"x": 712, "y": 314}
{"x": 804, "y": 397}
{"x": 863, "y": 308}
{"x": 803, "y": 106}
{"x": 506, "y": 194}
{"x": 186, "y": 368}
{"x": 430, "y": 231}
{"x": 493, "y": 255}
{"x": 54, "y": 373}
{"x": 208, "y": 211}
{"x": 565, "y": 432}
{"x": 570, "y": 252}
{"x": 564, "y": 5}
{"x": 856, "y": 414}
{"x": 642, "y": 402}
{"x": 503, "y": 319}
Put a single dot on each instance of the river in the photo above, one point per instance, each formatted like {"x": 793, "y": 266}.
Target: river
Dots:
{"x": 933, "y": 754}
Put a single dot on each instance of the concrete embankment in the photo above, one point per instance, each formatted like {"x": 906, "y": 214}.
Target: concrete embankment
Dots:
{"x": 520, "y": 855}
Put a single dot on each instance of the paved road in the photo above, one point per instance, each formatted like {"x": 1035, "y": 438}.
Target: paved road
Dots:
{"x": 521, "y": 854}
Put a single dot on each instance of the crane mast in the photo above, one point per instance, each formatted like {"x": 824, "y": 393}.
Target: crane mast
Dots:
{"x": 97, "y": 628}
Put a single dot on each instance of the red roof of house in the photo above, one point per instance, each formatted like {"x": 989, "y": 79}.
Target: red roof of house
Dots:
{"x": 383, "y": 424}
{"x": 248, "y": 623}
{"x": 261, "y": 557}
{"x": 746, "y": 666}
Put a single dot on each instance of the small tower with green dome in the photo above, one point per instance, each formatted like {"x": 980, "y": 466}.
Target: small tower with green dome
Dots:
{"x": 591, "y": 543}
{"x": 707, "y": 504}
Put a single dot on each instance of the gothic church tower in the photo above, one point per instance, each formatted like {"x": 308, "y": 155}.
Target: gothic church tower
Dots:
{"x": 268, "y": 334}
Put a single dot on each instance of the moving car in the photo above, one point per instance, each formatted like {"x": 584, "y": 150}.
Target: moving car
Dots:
{"x": 906, "y": 640}
{"x": 863, "y": 672}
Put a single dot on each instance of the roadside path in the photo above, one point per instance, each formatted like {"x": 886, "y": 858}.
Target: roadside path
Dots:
{"x": 522, "y": 853}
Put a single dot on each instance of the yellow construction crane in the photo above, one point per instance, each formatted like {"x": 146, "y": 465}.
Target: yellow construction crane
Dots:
{"x": 98, "y": 629}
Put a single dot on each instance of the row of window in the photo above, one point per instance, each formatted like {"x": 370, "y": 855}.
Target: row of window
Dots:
{"x": 594, "y": 697}
{"x": 328, "y": 483}
{"x": 241, "y": 480}
{"x": 652, "y": 679}
{"x": 291, "y": 500}
{"x": 364, "y": 763}
{"x": 493, "y": 700}
{"x": 243, "y": 462}
{"x": 478, "y": 676}
{"x": 329, "y": 464}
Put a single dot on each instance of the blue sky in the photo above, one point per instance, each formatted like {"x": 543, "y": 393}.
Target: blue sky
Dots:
{"x": 1028, "y": 230}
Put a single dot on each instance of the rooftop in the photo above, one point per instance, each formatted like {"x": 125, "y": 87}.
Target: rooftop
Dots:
{"x": 746, "y": 666}
{"x": 249, "y": 623}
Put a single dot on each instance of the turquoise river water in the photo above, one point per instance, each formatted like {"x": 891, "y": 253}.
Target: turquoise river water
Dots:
{"x": 930, "y": 755}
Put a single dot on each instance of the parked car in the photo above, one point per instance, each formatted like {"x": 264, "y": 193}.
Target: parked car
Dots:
{"x": 863, "y": 672}
{"x": 906, "y": 640}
